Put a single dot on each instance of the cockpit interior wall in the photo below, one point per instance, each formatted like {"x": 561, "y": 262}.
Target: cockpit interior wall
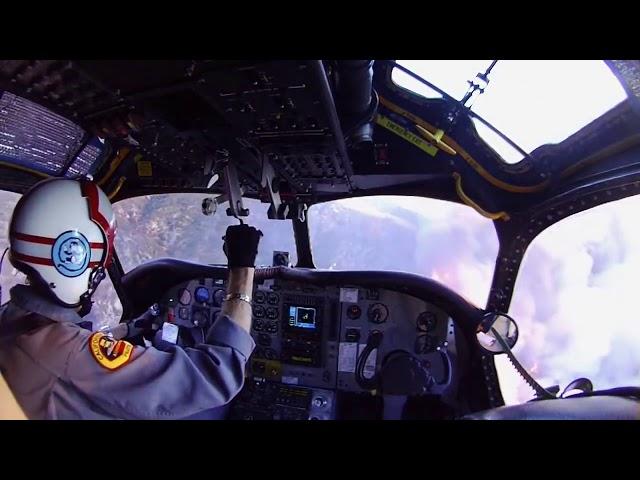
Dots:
{"x": 291, "y": 134}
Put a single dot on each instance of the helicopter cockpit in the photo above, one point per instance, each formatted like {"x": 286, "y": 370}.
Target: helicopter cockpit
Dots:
{"x": 293, "y": 136}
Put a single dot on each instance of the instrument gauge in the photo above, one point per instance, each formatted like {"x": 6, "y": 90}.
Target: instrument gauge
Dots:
{"x": 378, "y": 313}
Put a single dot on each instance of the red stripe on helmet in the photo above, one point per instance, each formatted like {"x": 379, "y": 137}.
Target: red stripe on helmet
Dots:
{"x": 43, "y": 261}
{"x": 46, "y": 240}
{"x": 33, "y": 238}
{"x": 30, "y": 259}
{"x": 90, "y": 191}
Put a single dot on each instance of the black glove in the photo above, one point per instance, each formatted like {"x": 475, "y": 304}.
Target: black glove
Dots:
{"x": 241, "y": 245}
{"x": 146, "y": 323}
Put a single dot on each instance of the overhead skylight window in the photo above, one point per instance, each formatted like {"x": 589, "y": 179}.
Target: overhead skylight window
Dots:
{"x": 533, "y": 102}
{"x": 448, "y": 75}
{"x": 34, "y": 137}
{"x": 86, "y": 160}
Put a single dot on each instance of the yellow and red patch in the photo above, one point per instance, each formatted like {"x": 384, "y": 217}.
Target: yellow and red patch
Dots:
{"x": 111, "y": 354}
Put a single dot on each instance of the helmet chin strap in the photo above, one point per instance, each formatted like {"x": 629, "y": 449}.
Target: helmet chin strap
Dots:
{"x": 85, "y": 304}
{"x": 97, "y": 275}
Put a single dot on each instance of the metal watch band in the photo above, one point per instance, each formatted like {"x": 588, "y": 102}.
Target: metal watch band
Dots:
{"x": 238, "y": 296}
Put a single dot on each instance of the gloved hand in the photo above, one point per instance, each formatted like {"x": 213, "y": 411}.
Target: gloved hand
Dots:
{"x": 241, "y": 245}
{"x": 145, "y": 323}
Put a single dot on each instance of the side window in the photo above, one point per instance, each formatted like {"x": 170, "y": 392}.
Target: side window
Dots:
{"x": 9, "y": 276}
{"x": 575, "y": 301}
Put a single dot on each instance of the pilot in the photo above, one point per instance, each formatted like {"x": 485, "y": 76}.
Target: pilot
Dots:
{"x": 61, "y": 236}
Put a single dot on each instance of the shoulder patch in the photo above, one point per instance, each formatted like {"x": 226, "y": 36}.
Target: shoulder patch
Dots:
{"x": 111, "y": 354}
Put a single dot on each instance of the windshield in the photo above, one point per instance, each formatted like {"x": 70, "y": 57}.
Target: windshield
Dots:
{"x": 445, "y": 241}
{"x": 533, "y": 102}
{"x": 575, "y": 302}
{"x": 173, "y": 225}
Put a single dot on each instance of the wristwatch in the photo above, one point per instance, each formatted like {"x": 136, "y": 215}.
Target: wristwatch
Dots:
{"x": 238, "y": 296}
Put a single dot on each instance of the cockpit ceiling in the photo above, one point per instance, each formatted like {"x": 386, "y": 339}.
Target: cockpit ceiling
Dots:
{"x": 328, "y": 129}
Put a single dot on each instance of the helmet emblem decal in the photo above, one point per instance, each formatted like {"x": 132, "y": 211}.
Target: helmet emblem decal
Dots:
{"x": 71, "y": 253}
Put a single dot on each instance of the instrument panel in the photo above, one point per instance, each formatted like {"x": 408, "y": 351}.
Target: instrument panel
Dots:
{"x": 194, "y": 306}
{"x": 309, "y": 340}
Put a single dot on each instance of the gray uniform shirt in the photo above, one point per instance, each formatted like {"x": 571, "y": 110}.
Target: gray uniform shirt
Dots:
{"x": 46, "y": 359}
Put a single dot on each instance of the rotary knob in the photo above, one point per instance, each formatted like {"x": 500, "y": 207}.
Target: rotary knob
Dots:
{"x": 319, "y": 402}
{"x": 426, "y": 321}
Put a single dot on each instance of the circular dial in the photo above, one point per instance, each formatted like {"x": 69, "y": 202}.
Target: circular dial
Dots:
{"x": 200, "y": 318}
{"x": 319, "y": 401}
{"x": 273, "y": 299}
{"x": 258, "y": 311}
{"x": 202, "y": 294}
{"x": 426, "y": 321}
{"x": 378, "y": 313}
{"x": 425, "y": 344}
{"x": 270, "y": 354}
{"x": 218, "y": 297}
{"x": 259, "y": 296}
{"x": 184, "y": 296}
{"x": 272, "y": 327}
{"x": 354, "y": 312}
{"x": 272, "y": 313}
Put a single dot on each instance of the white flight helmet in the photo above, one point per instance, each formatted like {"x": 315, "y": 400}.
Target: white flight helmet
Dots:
{"x": 61, "y": 236}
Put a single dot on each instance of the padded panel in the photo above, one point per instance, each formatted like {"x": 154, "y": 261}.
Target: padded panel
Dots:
{"x": 584, "y": 408}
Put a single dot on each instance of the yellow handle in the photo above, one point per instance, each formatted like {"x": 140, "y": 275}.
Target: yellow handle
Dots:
{"x": 435, "y": 139}
{"x": 115, "y": 163}
{"x": 463, "y": 196}
{"x": 115, "y": 191}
